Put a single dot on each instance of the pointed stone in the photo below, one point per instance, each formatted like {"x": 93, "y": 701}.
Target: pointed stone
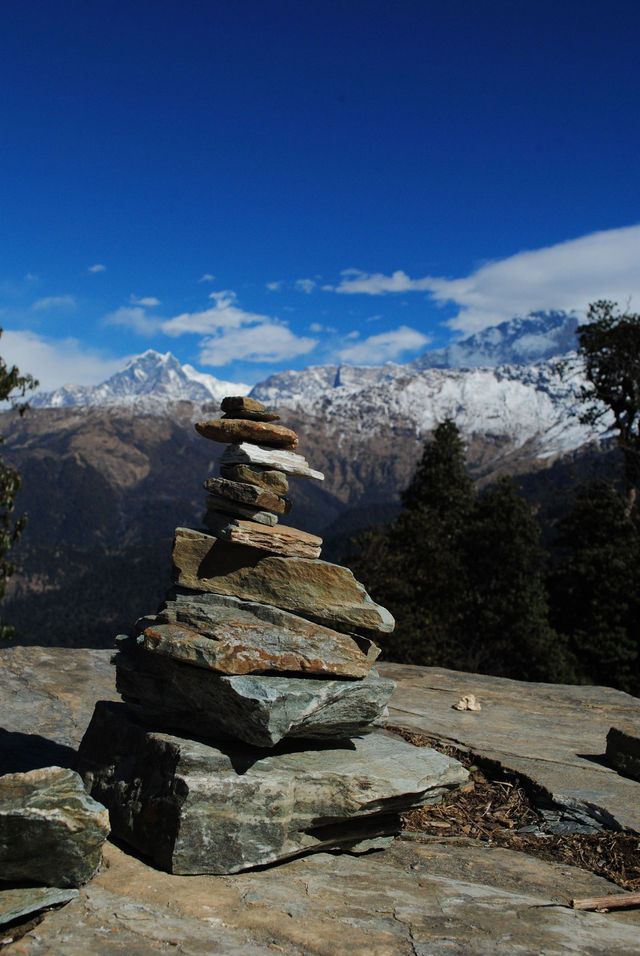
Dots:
{"x": 248, "y": 495}
{"x": 222, "y": 633}
{"x": 193, "y": 808}
{"x": 275, "y": 540}
{"x": 287, "y": 461}
{"x": 233, "y": 430}
{"x": 51, "y": 831}
{"x": 272, "y": 480}
{"x": 217, "y": 504}
{"x": 323, "y": 592}
{"x": 259, "y": 709}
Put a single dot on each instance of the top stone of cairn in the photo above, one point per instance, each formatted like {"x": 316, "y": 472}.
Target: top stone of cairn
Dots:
{"x": 241, "y": 406}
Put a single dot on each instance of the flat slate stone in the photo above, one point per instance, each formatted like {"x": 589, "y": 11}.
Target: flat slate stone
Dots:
{"x": 51, "y": 831}
{"x": 24, "y": 901}
{"x": 245, "y": 453}
{"x": 193, "y": 808}
{"x": 623, "y": 750}
{"x": 259, "y": 709}
{"x": 275, "y": 540}
{"x": 234, "y": 430}
{"x": 248, "y": 495}
{"x": 222, "y": 633}
{"x": 318, "y": 590}
{"x": 217, "y": 504}
{"x": 269, "y": 478}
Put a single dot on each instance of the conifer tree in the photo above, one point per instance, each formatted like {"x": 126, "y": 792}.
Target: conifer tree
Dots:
{"x": 13, "y": 387}
{"x": 508, "y": 630}
{"x": 595, "y": 589}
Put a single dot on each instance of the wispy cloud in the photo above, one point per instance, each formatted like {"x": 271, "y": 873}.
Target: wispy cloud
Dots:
{"x": 207, "y": 277}
{"x": 54, "y": 302}
{"x": 148, "y": 301}
{"x": 356, "y": 282}
{"x": 56, "y": 362}
{"x": 30, "y": 277}
{"x": 97, "y": 268}
{"x": 135, "y": 318}
{"x": 259, "y": 343}
{"x": 275, "y": 286}
{"x": 305, "y": 285}
{"x": 384, "y": 347}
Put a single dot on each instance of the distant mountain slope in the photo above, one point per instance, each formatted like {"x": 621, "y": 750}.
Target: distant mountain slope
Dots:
{"x": 148, "y": 378}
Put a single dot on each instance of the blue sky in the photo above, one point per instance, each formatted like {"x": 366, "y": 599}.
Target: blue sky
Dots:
{"x": 266, "y": 184}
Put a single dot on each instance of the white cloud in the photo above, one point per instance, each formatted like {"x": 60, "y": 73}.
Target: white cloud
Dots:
{"x": 354, "y": 281}
{"x": 207, "y": 277}
{"x": 54, "y": 302}
{"x": 97, "y": 268}
{"x": 384, "y": 347}
{"x": 267, "y": 342}
{"x": 147, "y": 301}
{"x": 134, "y": 318}
{"x": 569, "y": 275}
{"x": 56, "y": 362}
{"x": 225, "y": 314}
{"x": 274, "y": 286}
{"x": 305, "y": 285}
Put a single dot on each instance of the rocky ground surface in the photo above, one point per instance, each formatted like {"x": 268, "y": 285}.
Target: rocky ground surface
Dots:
{"x": 430, "y": 892}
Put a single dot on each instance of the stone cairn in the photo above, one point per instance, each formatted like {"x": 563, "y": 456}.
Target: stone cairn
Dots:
{"x": 249, "y": 729}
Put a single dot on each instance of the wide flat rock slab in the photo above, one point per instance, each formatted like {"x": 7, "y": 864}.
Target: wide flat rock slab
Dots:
{"x": 414, "y": 899}
{"x": 289, "y": 462}
{"x": 222, "y": 633}
{"x": 192, "y": 807}
{"x": 324, "y": 592}
{"x": 260, "y": 709}
{"x": 238, "y": 430}
{"x": 554, "y": 734}
{"x": 276, "y": 540}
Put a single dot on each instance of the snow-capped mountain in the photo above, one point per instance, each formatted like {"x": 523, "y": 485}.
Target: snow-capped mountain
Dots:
{"x": 150, "y": 378}
{"x": 519, "y": 341}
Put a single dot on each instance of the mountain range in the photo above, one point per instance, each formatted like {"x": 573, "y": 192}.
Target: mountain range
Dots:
{"x": 109, "y": 471}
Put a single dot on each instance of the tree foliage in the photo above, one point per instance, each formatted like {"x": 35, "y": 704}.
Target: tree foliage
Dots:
{"x": 609, "y": 343}
{"x": 13, "y": 388}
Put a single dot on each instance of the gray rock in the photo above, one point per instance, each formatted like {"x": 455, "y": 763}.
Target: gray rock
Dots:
{"x": 20, "y": 902}
{"x": 51, "y": 831}
{"x": 323, "y": 592}
{"x": 222, "y": 633}
{"x": 276, "y": 540}
{"x": 623, "y": 750}
{"x": 194, "y": 808}
{"x": 248, "y": 494}
{"x": 257, "y": 709}
{"x": 268, "y": 478}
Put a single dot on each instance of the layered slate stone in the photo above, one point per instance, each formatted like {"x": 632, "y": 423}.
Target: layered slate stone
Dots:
{"x": 269, "y": 478}
{"x": 194, "y": 808}
{"x": 220, "y": 632}
{"x": 257, "y": 709}
{"x": 276, "y": 540}
{"x": 246, "y": 494}
{"x": 51, "y": 830}
{"x": 234, "y": 430}
{"x": 217, "y": 504}
{"x": 241, "y": 406}
{"x": 290, "y": 463}
{"x": 324, "y": 592}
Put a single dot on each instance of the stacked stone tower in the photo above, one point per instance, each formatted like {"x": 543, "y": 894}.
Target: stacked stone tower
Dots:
{"x": 250, "y": 731}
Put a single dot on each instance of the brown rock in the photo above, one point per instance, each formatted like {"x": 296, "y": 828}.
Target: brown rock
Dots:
{"x": 216, "y": 503}
{"x": 276, "y": 540}
{"x": 250, "y": 495}
{"x": 230, "y": 431}
{"x": 219, "y": 632}
{"x": 275, "y": 481}
{"x": 323, "y": 592}
{"x": 623, "y": 750}
{"x": 241, "y": 403}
